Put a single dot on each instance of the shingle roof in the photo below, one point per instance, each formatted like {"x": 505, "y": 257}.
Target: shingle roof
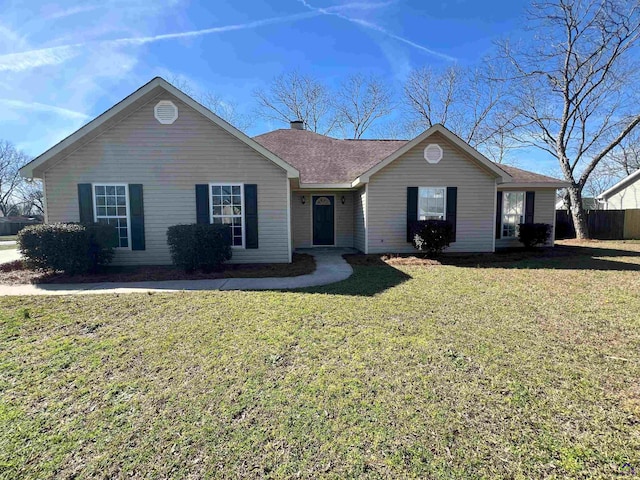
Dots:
{"x": 525, "y": 176}
{"x": 322, "y": 159}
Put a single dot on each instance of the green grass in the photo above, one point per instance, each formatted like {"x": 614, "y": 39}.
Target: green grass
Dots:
{"x": 7, "y": 247}
{"x": 513, "y": 370}
{"x": 8, "y": 237}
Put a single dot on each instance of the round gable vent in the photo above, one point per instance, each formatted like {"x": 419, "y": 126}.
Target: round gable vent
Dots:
{"x": 166, "y": 112}
{"x": 433, "y": 153}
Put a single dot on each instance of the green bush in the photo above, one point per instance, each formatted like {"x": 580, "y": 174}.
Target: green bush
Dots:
{"x": 199, "y": 246}
{"x": 68, "y": 247}
{"x": 532, "y": 234}
{"x": 431, "y": 236}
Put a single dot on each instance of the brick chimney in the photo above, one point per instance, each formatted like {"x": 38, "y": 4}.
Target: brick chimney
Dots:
{"x": 297, "y": 125}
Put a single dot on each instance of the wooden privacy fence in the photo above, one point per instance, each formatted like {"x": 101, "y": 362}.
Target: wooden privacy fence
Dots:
{"x": 603, "y": 224}
{"x": 632, "y": 223}
{"x": 12, "y": 228}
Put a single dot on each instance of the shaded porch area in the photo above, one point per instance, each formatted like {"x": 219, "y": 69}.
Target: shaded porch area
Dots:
{"x": 324, "y": 218}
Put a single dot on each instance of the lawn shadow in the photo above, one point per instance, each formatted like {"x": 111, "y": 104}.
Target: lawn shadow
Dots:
{"x": 560, "y": 257}
{"x": 371, "y": 276}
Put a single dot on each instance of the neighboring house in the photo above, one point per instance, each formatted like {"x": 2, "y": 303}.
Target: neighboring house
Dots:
{"x": 159, "y": 158}
{"x": 588, "y": 203}
{"x": 624, "y": 195}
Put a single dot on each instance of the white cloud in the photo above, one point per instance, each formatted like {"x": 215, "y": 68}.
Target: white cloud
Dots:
{"x": 72, "y": 11}
{"x": 41, "y": 107}
{"x": 333, "y": 11}
{"x": 18, "y": 62}
{"x": 21, "y": 61}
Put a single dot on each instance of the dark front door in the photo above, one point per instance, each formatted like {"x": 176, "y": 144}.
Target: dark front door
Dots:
{"x": 323, "y": 220}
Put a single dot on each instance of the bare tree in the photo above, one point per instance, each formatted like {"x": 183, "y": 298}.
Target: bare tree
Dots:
{"x": 625, "y": 158}
{"x": 577, "y": 95}
{"x": 470, "y": 102}
{"x": 294, "y": 96}
{"x": 360, "y": 102}
{"x": 11, "y": 160}
{"x": 225, "y": 109}
{"x": 30, "y": 198}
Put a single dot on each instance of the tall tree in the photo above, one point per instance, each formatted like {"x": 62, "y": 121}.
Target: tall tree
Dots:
{"x": 577, "y": 94}
{"x": 11, "y": 160}
{"x": 625, "y": 158}
{"x": 470, "y": 102}
{"x": 30, "y": 198}
{"x": 294, "y": 96}
{"x": 361, "y": 101}
{"x": 225, "y": 109}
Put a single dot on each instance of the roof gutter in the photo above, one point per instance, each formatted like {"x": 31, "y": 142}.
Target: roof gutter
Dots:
{"x": 556, "y": 185}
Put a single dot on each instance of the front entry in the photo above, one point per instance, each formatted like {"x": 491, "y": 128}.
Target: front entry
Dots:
{"x": 323, "y": 220}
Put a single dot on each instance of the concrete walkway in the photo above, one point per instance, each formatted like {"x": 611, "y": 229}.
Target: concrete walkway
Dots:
{"x": 10, "y": 255}
{"x": 330, "y": 268}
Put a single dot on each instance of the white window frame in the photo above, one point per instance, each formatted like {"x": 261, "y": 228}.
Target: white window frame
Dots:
{"x": 95, "y": 209}
{"x": 444, "y": 196}
{"x": 522, "y": 217}
{"x": 242, "y": 205}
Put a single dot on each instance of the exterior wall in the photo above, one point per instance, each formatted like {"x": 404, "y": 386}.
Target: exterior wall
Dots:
{"x": 169, "y": 160}
{"x": 625, "y": 199}
{"x": 387, "y": 198}
{"x": 544, "y": 211}
{"x": 301, "y": 218}
{"x": 359, "y": 220}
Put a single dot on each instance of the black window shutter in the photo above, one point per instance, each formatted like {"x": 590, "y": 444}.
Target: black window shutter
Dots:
{"x": 136, "y": 210}
{"x": 452, "y": 208}
{"x": 499, "y": 215}
{"x": 85, "y": 202}
{"x": 412, "y": 209}
{"x": 251, "y": 215}
{"x": 202, "y": 204}
{"x": 529, "y": 206}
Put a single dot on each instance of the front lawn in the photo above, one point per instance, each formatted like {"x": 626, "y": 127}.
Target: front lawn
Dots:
{"x": 525, "y": 368}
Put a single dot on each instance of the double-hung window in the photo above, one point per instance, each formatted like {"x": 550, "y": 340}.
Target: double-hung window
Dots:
{"x": 227, "y": 207}
{"x": 432, "y": 203}
{"x": 111, "y": 207}
{"x": 512, "y": 213}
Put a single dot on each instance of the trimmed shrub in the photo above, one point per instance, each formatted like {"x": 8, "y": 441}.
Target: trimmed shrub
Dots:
{"x": 532, "y": 234}
{"x": 68, "y": 247}
{"x": 199, "y": 246}
{"x": 431, "y": 236}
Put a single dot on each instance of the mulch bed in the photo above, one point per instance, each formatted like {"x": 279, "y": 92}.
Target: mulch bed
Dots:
{"x": 16, "y": 273}
{"x": 563, "y": 248}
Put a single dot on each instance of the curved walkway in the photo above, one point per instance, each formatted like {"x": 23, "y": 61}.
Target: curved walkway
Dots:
{"x": 330, "y": 268}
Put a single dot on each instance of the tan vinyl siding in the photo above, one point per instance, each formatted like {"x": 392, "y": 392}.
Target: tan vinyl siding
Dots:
{"x": 544, "y": 211}
{"x": 387, "y": 198}
{"x": 169, "y": 160}
{"x": 359, "y": 221}
{"x": 301, "y": 218}
{"x": 627, "y": 198}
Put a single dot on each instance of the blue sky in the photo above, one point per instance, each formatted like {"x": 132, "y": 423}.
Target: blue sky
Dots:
{"x": 63, "y": 63}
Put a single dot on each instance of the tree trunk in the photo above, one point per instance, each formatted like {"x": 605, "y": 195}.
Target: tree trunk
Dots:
{"x": 577, "y": 212}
